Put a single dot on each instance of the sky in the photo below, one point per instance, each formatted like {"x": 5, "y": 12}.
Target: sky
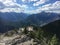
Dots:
{"x": 30, "y": 6}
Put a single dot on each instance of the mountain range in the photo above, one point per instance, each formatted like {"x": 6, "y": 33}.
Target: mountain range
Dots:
{"x": 9, "y": 21}
{"x": 52, "y": 28}
{"x": 42, "y": 18}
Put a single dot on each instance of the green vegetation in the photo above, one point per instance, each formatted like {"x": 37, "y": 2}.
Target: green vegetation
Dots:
{"x": 11, "y": 33}
{"x": 25, "y": 31}
{"x": 53, "y": 41}
{"x": 43, "y": 38}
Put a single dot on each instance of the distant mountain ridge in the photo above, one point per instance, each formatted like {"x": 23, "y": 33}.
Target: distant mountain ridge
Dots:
{"x": 12, "y": 16}
{"x": 42, "y": 18}
{"x": 53, "y": 27}
{"x": 9, "y": 21}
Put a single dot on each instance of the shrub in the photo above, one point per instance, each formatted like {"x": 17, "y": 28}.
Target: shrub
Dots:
{"x": 54, "y": 40}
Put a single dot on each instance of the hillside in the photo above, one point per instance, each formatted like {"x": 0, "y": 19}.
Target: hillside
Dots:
{"x": 10, "y": 21}
{"x": 25, "y": 36}
{"x": 41, "y": 18}
{"x": 53, "y": 27}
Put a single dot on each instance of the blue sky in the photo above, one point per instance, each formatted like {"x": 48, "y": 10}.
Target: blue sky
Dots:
{"x": 30, "y": 6}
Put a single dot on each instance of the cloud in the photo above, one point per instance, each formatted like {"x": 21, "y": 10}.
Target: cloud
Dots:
{"x": 2, "y": 6}
{"x": 7, "y": 2}
{"x": 10, "y": 3}
{"x": 33, "y": 0}
{"x": 55, "y": 7}
{"x": 39, "y": 2}
{"x": 17, "y": 10}
{"x": 23, "y": 0}
{"x": 11, "y": 6}
{"x": 28, "y": 0}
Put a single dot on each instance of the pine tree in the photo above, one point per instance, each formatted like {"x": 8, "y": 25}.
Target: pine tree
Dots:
{"x": 54, "y": 40}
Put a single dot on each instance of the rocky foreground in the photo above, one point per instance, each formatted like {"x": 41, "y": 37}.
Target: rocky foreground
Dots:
{"x": 28, "y": 36}
{"x": 16, "y": 39}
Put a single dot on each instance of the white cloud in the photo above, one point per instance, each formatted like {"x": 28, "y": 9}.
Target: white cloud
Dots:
{"x": 55, "y": 7}
{"x": 17, "y": 10}
{"x": 32, "y": 0}
{"x": 39, "y": 2}
{"x": 12, "y": 6}
{"x": 23, "y": 0}
{"x": 56, "y": 11}
{"x": 7, "y": 2}
{"x": 29, "y": 1}
{"x": 2, "y": 6}
{"x": 14, "y": 0}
